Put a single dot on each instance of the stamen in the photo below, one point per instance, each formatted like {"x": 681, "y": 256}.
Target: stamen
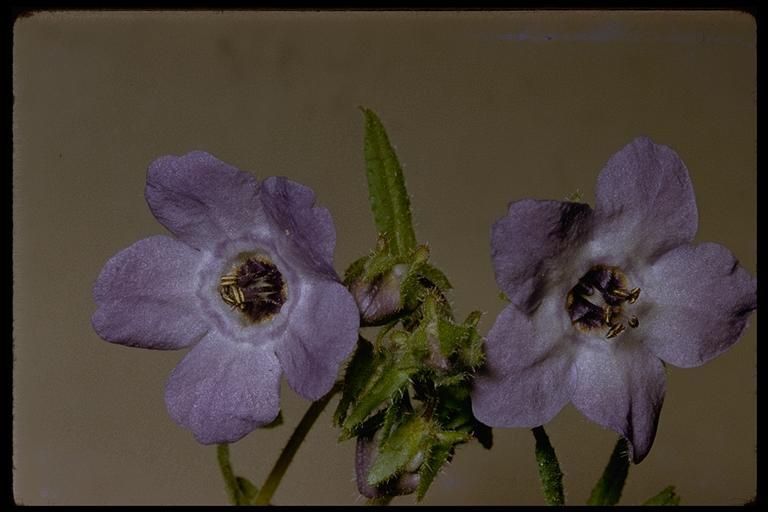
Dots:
{"x": 228, "y": 280}
{"x": 615, "y": 330}
{"x": 599, "y": 300}
{"x": 621, "y": 293}
{"x": 255, "y": 287}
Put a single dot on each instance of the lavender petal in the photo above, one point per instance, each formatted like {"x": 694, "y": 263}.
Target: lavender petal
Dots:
{"x": 222, "y": 390}
{"x": 146, "y": 296}
{"x": 702, "y": 299}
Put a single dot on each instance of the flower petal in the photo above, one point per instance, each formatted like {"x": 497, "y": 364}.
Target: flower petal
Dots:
{"x": 309, "y": 234}
{"x": 620, "y": 385}
{"x": 201, "y": 199}
{"x": 701, "y": 300}
{"x": 321, "y": 333}
{"x": 532, "y": 238}
{"x": 644, "y": 201}
{"x": 146, "y": 296}
{"x": 526, "y": 381}
{"x": 222, "y": 390}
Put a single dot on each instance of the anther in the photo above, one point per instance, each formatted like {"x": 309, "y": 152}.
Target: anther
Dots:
{"x": 634, "y": 293}
{"x": 255, "y": 287}
{"x": 615, "y": 330}
{"x": 228, "y": 280}
{"x": 633, "y": 322}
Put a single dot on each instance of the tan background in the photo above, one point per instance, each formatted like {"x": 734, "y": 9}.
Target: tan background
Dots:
{"x": 484, "y": 108}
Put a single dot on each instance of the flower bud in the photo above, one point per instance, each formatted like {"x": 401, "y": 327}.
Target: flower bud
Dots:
{"x": 405, "y": 483}
{"x": 379, "y": 299}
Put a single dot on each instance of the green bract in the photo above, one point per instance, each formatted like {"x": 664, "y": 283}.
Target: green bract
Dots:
{"x": 407, "y": 394}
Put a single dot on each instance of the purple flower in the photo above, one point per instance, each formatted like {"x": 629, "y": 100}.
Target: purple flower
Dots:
{"x": 602, "y": 298}
{"x": 248, "y": 283}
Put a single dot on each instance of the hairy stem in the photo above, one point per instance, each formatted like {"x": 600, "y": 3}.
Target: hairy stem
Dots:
{"x": 608, "y": 489}
{"x": 549, "y": 468}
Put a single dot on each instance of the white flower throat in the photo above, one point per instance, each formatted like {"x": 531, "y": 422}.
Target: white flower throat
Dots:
{"x": 600, "y": 301}
{"x": 255, "y": 287}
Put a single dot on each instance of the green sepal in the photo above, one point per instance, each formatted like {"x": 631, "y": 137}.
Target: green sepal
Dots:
{"x": 383, "y": 332}
{"x": 401, "y": 447}
{"x": 607, "y": 490}
{"x": 397, "y": 410}
{"x": 452, "y": 437}
{"x": 366, "y": 428}
{"x": 382, "y": 387}
{"x": 377, "y": 264}
{"x": 423, "y": 278}
{"x": 358, "y": 373}
{"x": 354, "y": 270}
{"x": 434, "y": 275}
{"x": 386, "y": 187}
{"x": 450, "y": 379}
{"x": 246, "y": 491}
{"x": 462, "y": 341}
{"x": 667, "y": 497}
{"x": 439, "y": 454}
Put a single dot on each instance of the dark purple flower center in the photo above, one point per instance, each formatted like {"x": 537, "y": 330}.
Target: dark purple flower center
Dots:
{"x": 598, "y": 302}
{"x": 255, "y": 287}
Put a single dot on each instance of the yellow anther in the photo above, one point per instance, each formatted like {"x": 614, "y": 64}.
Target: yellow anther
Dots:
{"x": 228, "y": 280}
{"x": 615, "y": 330}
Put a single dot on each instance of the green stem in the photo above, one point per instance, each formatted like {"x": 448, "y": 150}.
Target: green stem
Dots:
{"x": 291, "y": 447}
{"x": 549, "y": 468}
{"x": 222, "y": 452}
{"x": 608, "y": 489}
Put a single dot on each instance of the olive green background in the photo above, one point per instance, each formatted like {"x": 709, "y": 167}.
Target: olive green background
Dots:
{"x": 483, "y": 108}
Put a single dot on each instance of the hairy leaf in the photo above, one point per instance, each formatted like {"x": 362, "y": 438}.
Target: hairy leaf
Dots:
{"x": 386, "y": 187}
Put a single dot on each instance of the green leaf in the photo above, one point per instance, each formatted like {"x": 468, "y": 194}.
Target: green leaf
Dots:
{"x": 398, "y": 409}
{"x": 384, "y": 386}
{"x": 402, "y": 446}
{"x": 365, "y": 428}
{"x": 358, "y": 373}
{"x": 667, "y": 497}
{"x": 438, "y": 456}
{"x": 549, "y": 468}
{"x": 608, "y": 489}
{"x": 386, "y": 187}
{"x": 246, "y": 490}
